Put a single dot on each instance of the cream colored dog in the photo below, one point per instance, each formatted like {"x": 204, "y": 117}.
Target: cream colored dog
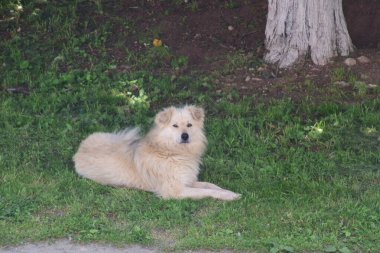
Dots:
{"x": 166, "y": 161}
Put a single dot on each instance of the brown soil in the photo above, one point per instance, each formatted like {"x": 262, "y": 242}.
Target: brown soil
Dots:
{"x": 208, "y": 31}
{"x": 363, "y": 22}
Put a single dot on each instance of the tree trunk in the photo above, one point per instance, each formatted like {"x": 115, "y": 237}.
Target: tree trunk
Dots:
{"x": 296, "y": 28}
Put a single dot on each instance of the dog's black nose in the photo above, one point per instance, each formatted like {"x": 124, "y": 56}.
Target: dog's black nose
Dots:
{"x": 184, "y": 136}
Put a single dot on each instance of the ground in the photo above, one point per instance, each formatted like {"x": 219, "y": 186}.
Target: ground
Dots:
{"x": 68, "y": 247}
{"x": 229, "y": 39}
{"x": 300, "y": 144}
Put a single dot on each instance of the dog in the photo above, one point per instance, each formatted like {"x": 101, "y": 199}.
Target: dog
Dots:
{"x": 166, "y": 161}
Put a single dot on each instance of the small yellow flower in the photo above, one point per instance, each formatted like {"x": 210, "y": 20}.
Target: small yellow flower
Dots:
{"x": 157, "y": 42}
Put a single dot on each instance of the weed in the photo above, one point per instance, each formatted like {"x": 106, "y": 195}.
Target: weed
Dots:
{"x": 99, "y": 7}
{"x": 179, "y": 62}
{"x": 338, "y": 74}
{"x": 234, "y": 62}
{"x": 238, "y": 61}
{"x": 352, "y": 78}
{"x": 193, "y": 5}
{"x": 11, "y": 11}
{"x": 315, "y": 131}
{"x": 231, "y": 4}
{"x": 361, "y": 88}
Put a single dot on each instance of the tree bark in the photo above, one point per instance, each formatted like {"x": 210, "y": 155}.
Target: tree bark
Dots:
{"x": 296, "y": 28}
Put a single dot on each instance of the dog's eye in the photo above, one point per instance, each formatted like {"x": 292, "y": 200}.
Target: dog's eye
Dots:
{"x": 189, "y": 125}
{"x": 175, "y": 125}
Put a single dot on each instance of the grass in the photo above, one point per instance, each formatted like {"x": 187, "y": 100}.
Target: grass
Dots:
{"x": 309, "y": 173}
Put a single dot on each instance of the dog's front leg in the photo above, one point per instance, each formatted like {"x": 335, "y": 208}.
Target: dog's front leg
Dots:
{"x": 199, "y": 193}
{"x": 206, "y": 185}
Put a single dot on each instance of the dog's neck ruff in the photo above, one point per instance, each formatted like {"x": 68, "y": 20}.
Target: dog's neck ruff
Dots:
{"x": 182, "y": 149}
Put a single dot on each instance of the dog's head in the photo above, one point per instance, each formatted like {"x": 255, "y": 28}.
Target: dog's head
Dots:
{"x": 181, "y": 126}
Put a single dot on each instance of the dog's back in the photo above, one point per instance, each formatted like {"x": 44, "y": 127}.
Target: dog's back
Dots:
{"x": 107, "y": 158}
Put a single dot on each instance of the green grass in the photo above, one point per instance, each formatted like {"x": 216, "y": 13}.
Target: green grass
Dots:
{"x": 308, "y": 173}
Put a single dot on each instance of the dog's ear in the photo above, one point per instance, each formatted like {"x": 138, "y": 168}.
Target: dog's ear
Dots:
{"x": 197, "y": 113}
{"x": 163, "y": 117}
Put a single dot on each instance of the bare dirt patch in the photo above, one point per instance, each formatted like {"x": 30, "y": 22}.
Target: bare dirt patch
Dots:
{"x": 208, "y": 32}
{"x": 308, "y": 80}
{"x": 67, "y": 246}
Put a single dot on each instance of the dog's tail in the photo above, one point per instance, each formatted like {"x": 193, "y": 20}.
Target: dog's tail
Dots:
{"x": 129, "y": 135}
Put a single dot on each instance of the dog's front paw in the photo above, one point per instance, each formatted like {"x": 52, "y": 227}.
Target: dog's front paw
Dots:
{"x": 229, "y": 196}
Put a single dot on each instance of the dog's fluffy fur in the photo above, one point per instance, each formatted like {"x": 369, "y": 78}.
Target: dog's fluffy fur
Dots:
{"x": 166, "y": 161}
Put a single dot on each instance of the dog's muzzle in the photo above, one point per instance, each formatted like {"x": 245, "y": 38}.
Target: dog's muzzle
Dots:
{"x": 184, "y": 138}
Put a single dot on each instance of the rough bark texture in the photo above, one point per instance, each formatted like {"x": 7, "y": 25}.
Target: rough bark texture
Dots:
{"x": 296, "y": 28}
